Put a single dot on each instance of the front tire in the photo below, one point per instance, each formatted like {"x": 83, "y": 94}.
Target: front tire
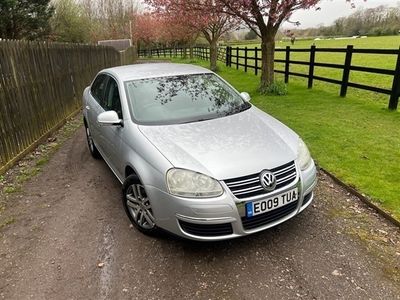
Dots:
{"x": 137, "y": 206}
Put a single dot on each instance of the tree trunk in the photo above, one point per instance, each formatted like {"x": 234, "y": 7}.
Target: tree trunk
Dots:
{"x": 213, "y": 55}
{"x": 191, "y": 51}
{"x": 267, "y": 57}
{"x": 184, "y": 52}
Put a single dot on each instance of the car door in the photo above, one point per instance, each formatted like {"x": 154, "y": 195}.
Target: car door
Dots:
{"x": 112, "y": 135}
{"x": 95, "y": 107}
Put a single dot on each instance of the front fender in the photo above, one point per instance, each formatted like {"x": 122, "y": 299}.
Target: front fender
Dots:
{"x": 145, "y": 159}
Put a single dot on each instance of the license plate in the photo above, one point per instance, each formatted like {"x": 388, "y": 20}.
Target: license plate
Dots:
{"x": 265, "y": 205}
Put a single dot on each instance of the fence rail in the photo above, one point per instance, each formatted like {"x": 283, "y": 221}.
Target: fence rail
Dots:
{"x": 199, "y": 52}
{"x": 250, "y": 58}
{"x": 40, "y": 86}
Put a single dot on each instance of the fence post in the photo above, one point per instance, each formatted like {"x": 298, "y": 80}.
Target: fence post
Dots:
{"x": 245, "y": 59}
{"x": 394, "y": 97}
{"x": 237, "y": 58}
{"x": 230, "y": 56}
{"x": 256, "y": 61}
{"x": 227, "y": 56}
{"x": 287, "y": 63}
{"x": 346, "y": 71}
{"x": 311, "y": 68}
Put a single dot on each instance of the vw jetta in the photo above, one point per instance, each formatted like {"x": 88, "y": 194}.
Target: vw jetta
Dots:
{"x": 194, "y": 157}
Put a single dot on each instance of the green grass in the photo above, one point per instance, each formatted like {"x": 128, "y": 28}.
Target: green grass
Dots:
{"x": 355, "y": 138}
{"x": 11, "y": 189}
{"x": 366, "y": 60}
{"x": 390, "y": 42}
{"x": 27, "y": 174}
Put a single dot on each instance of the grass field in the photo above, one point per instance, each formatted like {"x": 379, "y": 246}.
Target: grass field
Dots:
{"x": 355, "y": 138}
{"x": 366, "y": 60}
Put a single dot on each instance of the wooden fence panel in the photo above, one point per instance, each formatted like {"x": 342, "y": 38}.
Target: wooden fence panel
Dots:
{"x": 40, "y": 86}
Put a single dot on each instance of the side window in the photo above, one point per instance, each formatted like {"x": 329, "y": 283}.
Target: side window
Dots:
{"x": 112, "y": 101}
{"x": 98, "y": 88}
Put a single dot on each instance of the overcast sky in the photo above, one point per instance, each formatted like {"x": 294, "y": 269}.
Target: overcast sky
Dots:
{"x": 331, "y": 10}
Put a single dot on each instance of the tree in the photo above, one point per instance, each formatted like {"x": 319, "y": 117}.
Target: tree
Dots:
{"x": 110, "y": 19}
{"x": 265, "y": 17}
{"x": 202, "y": 15}
{"x": 154, "y": 29}
{"x": 21, "y": 19}
{"x": 147, "y": 29}
{"x": 69, "y": 22}
{"x": 381, "y": 20}
{"x": 251, "y": 35}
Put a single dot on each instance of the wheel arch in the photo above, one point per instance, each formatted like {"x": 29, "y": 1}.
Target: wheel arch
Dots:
{"x": 129, "y": 170}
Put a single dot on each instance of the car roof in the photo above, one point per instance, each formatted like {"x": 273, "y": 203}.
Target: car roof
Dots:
{"x": 152, "y": 70}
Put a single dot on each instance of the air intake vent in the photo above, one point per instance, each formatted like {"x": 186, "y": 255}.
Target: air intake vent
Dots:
{"x": 206, "y": 229}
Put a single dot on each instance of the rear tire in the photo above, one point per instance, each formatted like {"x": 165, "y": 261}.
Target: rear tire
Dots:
{"x": 137, "y": 206}
{"x": 92, "y": 147}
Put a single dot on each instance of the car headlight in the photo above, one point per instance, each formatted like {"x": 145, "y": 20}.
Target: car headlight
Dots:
{"x": 191, "y": 184}
{"x": 303, "y": 156}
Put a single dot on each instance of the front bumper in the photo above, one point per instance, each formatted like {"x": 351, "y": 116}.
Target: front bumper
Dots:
{"x": 222, "y": 217}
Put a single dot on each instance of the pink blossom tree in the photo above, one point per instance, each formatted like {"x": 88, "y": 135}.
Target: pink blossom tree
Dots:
{"x": 146, "y": 29}
{"x": 265, "y": 17}
{"x": 153, "y": 28}
{"x": 205, "y": 16}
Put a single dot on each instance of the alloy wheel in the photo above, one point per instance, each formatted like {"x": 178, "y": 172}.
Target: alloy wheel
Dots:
{"x": 139, "y": 206}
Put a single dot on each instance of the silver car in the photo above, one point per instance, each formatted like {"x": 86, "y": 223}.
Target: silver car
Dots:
{"x": 194, "y": 157}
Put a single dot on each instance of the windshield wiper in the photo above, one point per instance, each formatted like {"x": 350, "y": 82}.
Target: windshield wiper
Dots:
{"x": 196, "y": 120}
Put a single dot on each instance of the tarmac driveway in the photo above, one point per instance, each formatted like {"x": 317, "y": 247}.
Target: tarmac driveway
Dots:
{"x": 72, "y": 240}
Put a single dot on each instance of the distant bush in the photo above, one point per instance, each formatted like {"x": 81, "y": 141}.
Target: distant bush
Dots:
{"x": 251, "y": 35}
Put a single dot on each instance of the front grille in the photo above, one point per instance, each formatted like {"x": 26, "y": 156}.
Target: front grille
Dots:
{"x": 206, "y": 229}
{"x": 307, "y": 199}
{"x": 269, "y": 217}
{"x": 250, "y": 185}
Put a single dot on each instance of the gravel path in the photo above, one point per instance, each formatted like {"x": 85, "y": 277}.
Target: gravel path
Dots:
{"x": 72, "y": 240}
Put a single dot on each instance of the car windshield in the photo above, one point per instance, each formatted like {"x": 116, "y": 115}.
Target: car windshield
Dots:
{"x": 182, "y": 99}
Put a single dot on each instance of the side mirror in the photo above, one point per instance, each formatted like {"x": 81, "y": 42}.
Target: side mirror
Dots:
{"x": 109, "y": 118}
{"x": 245, "y": 96}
